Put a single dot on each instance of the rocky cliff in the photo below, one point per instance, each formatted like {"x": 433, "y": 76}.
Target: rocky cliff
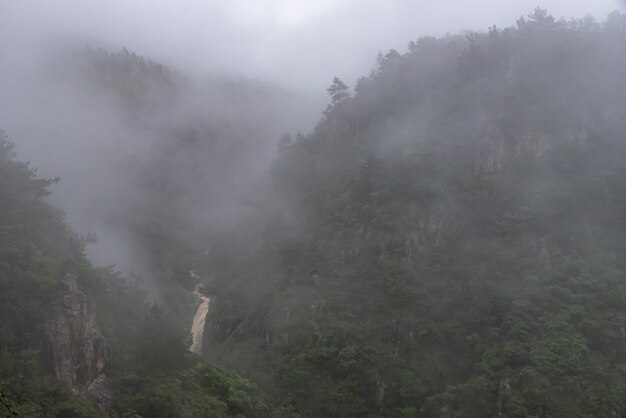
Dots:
{"x": 75, "y": 349}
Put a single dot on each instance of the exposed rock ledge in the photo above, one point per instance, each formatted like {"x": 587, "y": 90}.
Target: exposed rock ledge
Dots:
{"x": 75, "y": 350}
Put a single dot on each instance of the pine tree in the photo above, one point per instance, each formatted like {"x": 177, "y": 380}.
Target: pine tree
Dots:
{"x": 338, "y": 91}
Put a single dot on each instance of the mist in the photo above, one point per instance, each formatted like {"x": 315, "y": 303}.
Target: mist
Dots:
{"x": 117, "y": 151}
{"x": 73, "y": 129}
{"x": 280, "y": 41}
{"x": 332, "y": 208}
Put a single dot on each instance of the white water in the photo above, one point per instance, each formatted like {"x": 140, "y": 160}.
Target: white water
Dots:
{"x": 197, "y": 328}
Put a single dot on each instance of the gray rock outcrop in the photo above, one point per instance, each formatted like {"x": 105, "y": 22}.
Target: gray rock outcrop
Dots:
{"x": 75, "y": 350}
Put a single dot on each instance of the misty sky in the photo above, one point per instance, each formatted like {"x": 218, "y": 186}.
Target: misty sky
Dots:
{"x": 298, "y": 43}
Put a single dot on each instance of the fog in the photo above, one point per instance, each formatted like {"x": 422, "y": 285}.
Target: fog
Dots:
{"x": 238, "y": 74}
{"x": 116, "y": 147}
{"x": 331, "y": 208}
{"x": 301, "y": 44}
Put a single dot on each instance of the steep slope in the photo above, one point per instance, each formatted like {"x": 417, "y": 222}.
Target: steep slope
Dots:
{"x": 37, "y": 249}
{"x": 76, "y": 341}
{"x": 449, "y": 241}
{"x": 169, "y": 157}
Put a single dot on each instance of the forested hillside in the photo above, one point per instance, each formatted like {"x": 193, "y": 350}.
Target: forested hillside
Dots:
{"x": 452, "y": 243}
{"x": 76, "y": 341}
{"x": 448, "y": 241}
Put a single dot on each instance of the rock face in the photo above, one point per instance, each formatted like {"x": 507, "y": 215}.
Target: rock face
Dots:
{"x": 75, "y": 350}
{"x": 505, "y": 395}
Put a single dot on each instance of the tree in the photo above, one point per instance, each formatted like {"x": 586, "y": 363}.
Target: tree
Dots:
{"x": 284, "y": 141}
{"x": 338, "y": 91}
{"x": 615, "y": 21}
{"x": 339, "y": 94}
{"x": 4, "y": 400}
{"x": 538, "y": 19}
{"x": 540, "y": 15}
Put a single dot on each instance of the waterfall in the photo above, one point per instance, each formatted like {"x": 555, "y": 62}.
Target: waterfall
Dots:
{"x": 197, "y": 327}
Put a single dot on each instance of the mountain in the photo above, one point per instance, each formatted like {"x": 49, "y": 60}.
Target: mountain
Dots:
{"x": 449, "y": 239}
{"x": 446, "y": 242}
{"x": 147, "y": 154}
{"x": 79, "y": 341}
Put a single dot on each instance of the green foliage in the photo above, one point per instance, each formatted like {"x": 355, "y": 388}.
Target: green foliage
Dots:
{"x": 448, "y": 242}
{"x": 151, "y": 369}
{"x": 6, "y": 402}
{"x": 200, "y": 391}
{"x": 459, "y": 224}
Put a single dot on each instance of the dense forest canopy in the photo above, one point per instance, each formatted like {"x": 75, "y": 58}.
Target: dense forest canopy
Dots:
{"x": 447, "y": 241}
